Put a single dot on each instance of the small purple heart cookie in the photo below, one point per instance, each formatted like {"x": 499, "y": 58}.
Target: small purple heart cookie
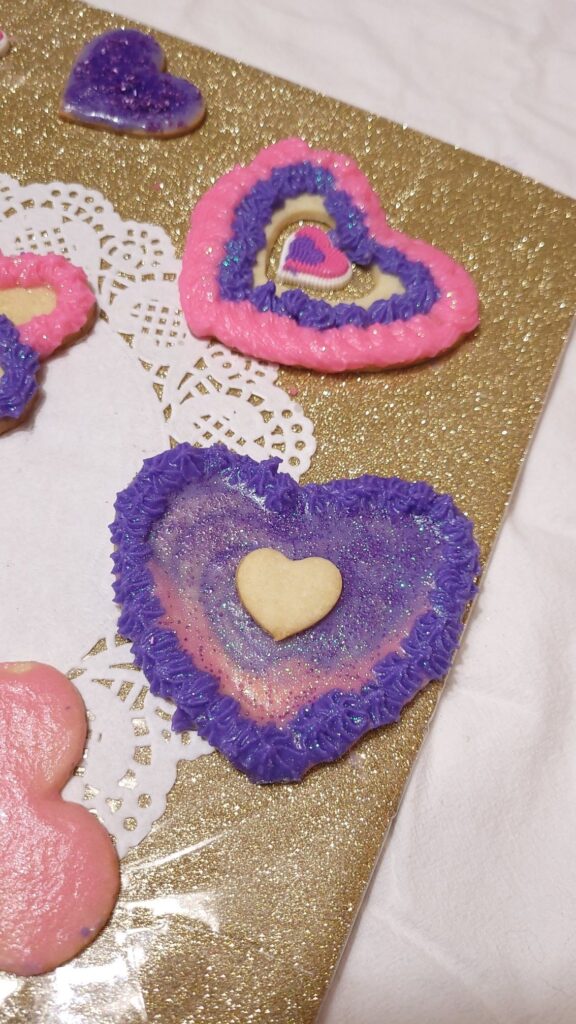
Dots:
{"x": 118, "y": 82}
{"x": 18, "y": 366}
{"x": 408, "y": 562}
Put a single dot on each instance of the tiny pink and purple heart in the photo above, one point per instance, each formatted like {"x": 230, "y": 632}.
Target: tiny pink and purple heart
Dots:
{"x": 310, "y": 257}
{"x": 118, "y": 82}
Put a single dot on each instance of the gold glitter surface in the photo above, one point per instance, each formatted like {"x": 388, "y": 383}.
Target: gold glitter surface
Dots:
{"x": 236, "y": 906}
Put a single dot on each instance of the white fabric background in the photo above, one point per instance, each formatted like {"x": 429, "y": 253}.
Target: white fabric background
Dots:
{"x": 470, "y": 915}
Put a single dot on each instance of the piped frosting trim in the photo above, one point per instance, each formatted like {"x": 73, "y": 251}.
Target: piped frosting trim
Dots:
{"x": 18, "y": 368}
{"x": 75, "y": 302}
{"x": 327, "y": 727}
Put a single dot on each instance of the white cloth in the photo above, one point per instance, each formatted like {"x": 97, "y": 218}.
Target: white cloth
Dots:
{"x": 470, "y": 915}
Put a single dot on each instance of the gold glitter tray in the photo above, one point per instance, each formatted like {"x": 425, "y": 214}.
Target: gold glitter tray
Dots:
{"x": 268, "y": 879}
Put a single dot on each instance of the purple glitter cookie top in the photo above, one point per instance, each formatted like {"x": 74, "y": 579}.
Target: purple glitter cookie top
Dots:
{"x": 117, "y": 82}
{"x": 387, "y": 566}
{"x": 350, "y": 234}
{"x": 408, "y": 561}
{"x": 18, "y": 367}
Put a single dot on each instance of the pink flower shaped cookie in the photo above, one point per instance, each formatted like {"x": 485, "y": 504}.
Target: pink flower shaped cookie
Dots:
{"x": 417, "y": 301}
{"x": 59, "y": 873}
{"x": 47, "y": 298}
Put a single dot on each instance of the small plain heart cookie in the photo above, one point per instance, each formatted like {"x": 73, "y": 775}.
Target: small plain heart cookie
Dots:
{"x": 285, "y": 597}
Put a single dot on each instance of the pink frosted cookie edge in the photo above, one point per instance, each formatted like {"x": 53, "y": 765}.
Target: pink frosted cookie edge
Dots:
{"x": 75, "y": 300}
{"x": 279, "y": 339}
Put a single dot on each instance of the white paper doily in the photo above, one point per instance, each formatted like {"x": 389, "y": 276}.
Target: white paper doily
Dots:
{"x": 129, "y": 765}
{"x": 205, "y": 393}
{"x": 199, "y": 392}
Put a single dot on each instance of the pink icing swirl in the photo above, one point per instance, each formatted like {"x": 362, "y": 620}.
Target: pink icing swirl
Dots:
{"x": 75, "y": 302}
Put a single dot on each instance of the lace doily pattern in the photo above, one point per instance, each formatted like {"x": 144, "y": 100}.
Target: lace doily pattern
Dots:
{"x": 130, "y": 760}
{"x": 204, "y": 392}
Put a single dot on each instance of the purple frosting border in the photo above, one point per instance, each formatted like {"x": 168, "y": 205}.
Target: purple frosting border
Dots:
{"x": 19, "y": 364}
{"x": 350, "y": 234}
{"x": 325, "y": 729}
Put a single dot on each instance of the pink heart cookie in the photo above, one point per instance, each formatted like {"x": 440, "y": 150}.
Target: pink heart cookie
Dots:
{"x": 67, "y": 304}
{"x": 421, "y": 303}
{"x": 59, "y": 873}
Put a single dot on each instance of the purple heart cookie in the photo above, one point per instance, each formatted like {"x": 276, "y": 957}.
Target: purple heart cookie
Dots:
{"x": 18, "y": 368}
{"x": 408, "y": 562}
{"x": 118, "y": 83}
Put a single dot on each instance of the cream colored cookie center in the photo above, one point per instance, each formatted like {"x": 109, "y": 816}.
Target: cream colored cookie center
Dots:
{"x": 311, "y": 209}
{"x": 286, "y": 597}
{"x": 21, "y": 304}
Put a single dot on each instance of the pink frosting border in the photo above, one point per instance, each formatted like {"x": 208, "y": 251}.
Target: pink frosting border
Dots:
{"x": 282, "y": 340}
{"x": 75, "y": 301}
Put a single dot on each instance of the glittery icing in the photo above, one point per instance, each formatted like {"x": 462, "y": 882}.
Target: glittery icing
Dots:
{"x": 408, "y": 562}
{"x": 75, "y": 302}
{"x": 118, "y": 83}
{"x": 438, "y": 306}
{"x": 18, "y": 367}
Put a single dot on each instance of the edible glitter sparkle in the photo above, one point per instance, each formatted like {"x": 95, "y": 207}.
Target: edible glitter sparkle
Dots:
{"x": 118, "y": 83}
{"x": 408, "y": 562}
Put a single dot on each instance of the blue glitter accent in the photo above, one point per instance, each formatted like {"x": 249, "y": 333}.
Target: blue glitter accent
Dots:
{"x": 350, "y": 234}
{"x": 325, "y": 728}
{"x": 19, "y": 364}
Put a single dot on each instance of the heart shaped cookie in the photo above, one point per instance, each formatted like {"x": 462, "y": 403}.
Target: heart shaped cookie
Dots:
{"x": 417, "y": 301}
{"x": 18, "y": 368}
{"x": 408, "y": 562}
{"x": 59, "y": 873}
{"x": 118, "y": 83}
{"x": 47, "y": 298}
{"x": 309, "y": 257}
